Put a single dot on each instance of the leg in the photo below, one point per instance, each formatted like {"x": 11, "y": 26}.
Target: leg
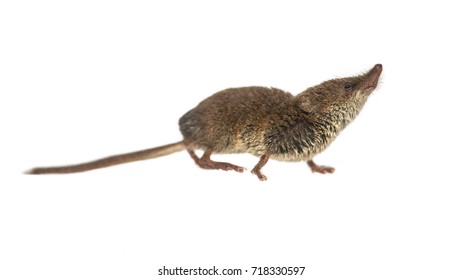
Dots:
{"x": 256, "y": 170}
{"x": 320, "y": 168}
{"x": 193, "y": 156}
{"x": 206, "y": 163}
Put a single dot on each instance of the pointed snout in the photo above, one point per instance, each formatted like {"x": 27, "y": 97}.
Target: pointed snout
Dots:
{"x": 377, "y": 68}
{"x": 372, "y": 77}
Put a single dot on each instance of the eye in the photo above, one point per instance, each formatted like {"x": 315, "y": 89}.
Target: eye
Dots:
{"x": 348, "y": 86}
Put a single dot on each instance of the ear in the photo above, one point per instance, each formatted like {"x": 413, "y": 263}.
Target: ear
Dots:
{"x": 305, "y": 103}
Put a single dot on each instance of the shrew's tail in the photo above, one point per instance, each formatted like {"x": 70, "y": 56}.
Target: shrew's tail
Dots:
{"x": 112, "y": 160}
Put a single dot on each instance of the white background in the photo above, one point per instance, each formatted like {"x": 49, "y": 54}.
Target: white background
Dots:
{"x": 85, "y": 79}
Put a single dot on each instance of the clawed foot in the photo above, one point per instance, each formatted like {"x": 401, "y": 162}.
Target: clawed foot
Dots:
{"x": 259, "y": 175}
{"x": 257, "y": 169}
{"x": 320, "y": 168}
{"x": 209, "y": 164}
{"x": 206, "y": 163}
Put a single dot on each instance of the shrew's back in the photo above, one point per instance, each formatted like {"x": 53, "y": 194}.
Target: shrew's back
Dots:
{"x": 234, "y": 120}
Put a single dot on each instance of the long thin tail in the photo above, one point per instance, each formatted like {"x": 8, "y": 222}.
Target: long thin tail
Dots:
{"x": 112, "y": 160}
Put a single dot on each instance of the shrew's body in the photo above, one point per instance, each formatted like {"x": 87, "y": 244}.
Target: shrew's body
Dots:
{"x": 266, "y": 122}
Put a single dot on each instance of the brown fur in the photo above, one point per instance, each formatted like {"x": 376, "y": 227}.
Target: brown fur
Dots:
{"x": 258, "y": 120}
